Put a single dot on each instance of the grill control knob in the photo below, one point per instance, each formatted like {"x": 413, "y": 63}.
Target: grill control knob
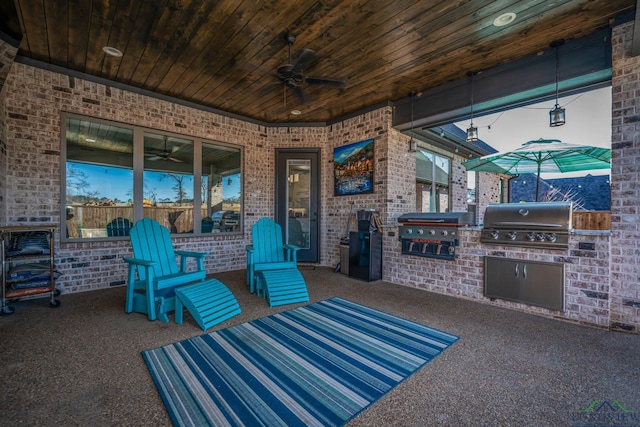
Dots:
{"x": 494, "y": 235}
{"x": 432, "y": 232}
{"x": 420, "y": 231}
{"x": 408, "y": 231}
{"x": 540, "y": 237}
{"x": 551, "y": 237}
{"x": 511, "y": 235}
{"x": 530, "y": 237}
{"x": 444, "y": 232}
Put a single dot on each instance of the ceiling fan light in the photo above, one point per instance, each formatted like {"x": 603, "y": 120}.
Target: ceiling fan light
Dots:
{"x": 472, "y": 133}
{"x": 557, "y": 116}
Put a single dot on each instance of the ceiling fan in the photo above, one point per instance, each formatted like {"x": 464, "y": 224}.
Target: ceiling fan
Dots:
{"x": 291, "y": 75}
{"x": 164, "y": 154}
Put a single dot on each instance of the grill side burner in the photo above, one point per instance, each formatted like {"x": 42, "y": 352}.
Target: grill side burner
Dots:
{"x": 543, "y": 225}
{"x": 430, "y": 234}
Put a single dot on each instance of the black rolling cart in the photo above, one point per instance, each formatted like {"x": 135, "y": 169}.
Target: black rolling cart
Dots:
{"x": 365, "y": 249}
{"x": 28, "y": 264}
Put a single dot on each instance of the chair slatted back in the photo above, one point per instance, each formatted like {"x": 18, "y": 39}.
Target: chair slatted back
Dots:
{"x": 152, "y": 241}
{"x": 119, "y": 227}
{"x": 267, "y": 241}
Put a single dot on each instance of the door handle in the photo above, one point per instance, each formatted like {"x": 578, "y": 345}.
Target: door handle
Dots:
{"x": 524, "y": 271}
{"x": 516, "y": 270}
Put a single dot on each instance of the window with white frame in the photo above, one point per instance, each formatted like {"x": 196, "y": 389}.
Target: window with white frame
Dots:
{"x": 116, "y": 174}
{"x": 432, "y": 182}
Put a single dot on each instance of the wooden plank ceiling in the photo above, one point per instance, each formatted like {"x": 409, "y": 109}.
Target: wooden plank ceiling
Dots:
{"x": 225, "y": 54}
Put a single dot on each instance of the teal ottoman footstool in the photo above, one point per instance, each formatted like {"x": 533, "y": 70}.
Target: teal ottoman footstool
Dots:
{"x": 282, "y": 287}
{"x": 209, "y": 302}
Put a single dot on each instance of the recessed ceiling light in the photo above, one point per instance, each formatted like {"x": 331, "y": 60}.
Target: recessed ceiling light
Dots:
{"x": 112, "y": 51}
{"x": 296, "y": 112}
{"x": 504, "y": 19}
{"x": 90, "y": 140}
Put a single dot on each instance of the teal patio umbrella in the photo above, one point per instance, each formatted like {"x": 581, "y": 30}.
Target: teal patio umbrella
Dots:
{"x": 543, "y": 155}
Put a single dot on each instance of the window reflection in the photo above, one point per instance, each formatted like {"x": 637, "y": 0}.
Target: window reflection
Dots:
{"x": 298, "y": 199}
{"x": 99, "y": 179}
{"x": 221, "y": 188}
{"x": 432, "y": 182}
{"x": 168, "y": 181}
{"x": 103, "y": 196}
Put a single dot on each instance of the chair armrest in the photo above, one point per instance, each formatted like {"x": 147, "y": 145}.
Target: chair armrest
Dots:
{"x": 250, "y": 251}
{"x": 138, "y": 261}
{"x": 199, "y": 256}
{"x": 291, "y": 252}
{"x": 192, "y": 254}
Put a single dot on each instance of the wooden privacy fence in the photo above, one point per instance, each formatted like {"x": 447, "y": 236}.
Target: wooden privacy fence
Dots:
{"x": 179, "y": 219}
{"x": 591, "y": 220}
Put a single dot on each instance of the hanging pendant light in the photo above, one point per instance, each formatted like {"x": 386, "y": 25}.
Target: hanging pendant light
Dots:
{"x": 472, "y": 131}
{"x": 413, "y": 145}
{"x": 557, "y": 114}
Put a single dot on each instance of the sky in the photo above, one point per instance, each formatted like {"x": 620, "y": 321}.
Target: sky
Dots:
{"x": 116, "y": 183}
{"x": 588, "y": 122}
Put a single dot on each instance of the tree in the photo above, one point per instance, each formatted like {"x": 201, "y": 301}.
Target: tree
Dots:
{"x": 178, "y": 187}
{"x": 77, "y": 182}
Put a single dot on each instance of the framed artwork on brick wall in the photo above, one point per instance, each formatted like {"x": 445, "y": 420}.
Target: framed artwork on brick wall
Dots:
{"x": 353, "y": 168}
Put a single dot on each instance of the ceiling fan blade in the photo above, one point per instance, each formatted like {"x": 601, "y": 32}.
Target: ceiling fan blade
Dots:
{"x": 174, "y": 160}
{"x": 154, "y": 157}
{"x": 305, "y": 58}
{"x": 299, "y": 94}
{"x": 326, "y": 82}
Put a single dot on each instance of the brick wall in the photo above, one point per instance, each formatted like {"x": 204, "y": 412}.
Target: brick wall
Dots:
{"x": 487, "y": 191}
{"x": 336, "y": 209}
{"x": 625, "y": 183}
{"x": 7, "y": 56}
{"x": 3, "y": 159}
{"x": 33, "y": 99}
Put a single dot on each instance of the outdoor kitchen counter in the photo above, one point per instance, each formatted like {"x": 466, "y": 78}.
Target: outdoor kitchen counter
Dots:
{"x": 586, "y": 278}
{"x": 591, "y": 232}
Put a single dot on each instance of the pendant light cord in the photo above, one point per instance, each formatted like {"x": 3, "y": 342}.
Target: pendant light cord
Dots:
{"x": 412, "y": 94}
{"x": 556, "y": 45}
{"x": 557, "y": 77}
{"x": 471, "y": 76}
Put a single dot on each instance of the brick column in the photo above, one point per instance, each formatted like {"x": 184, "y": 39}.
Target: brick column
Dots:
{"x": 625, "y": 184}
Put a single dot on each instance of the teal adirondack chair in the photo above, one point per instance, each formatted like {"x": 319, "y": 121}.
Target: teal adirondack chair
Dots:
{"x": 271, "y": 261}
{"x": 153, "y": 271}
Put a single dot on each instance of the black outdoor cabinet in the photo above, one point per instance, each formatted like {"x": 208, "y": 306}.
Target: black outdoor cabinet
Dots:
{"x": 365, "y": 255}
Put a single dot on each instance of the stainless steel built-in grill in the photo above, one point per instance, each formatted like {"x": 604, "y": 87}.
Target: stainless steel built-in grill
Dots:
{"x": 432, "y": 234}
{"x": 224, "y": 220}
{"x": 544, "y": 225}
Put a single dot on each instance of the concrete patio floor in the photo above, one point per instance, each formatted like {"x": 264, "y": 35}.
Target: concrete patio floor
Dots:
{"x": 80, "y": 364}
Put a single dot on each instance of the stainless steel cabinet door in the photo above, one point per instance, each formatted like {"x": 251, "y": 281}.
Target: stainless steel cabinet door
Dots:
{"x": 530, "y": 282}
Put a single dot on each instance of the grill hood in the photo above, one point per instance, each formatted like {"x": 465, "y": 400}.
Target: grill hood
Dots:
{"x": 529, "y": 216}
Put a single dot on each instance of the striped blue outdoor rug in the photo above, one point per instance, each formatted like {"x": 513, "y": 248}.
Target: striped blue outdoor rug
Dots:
{"x": 320, "y": 365}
